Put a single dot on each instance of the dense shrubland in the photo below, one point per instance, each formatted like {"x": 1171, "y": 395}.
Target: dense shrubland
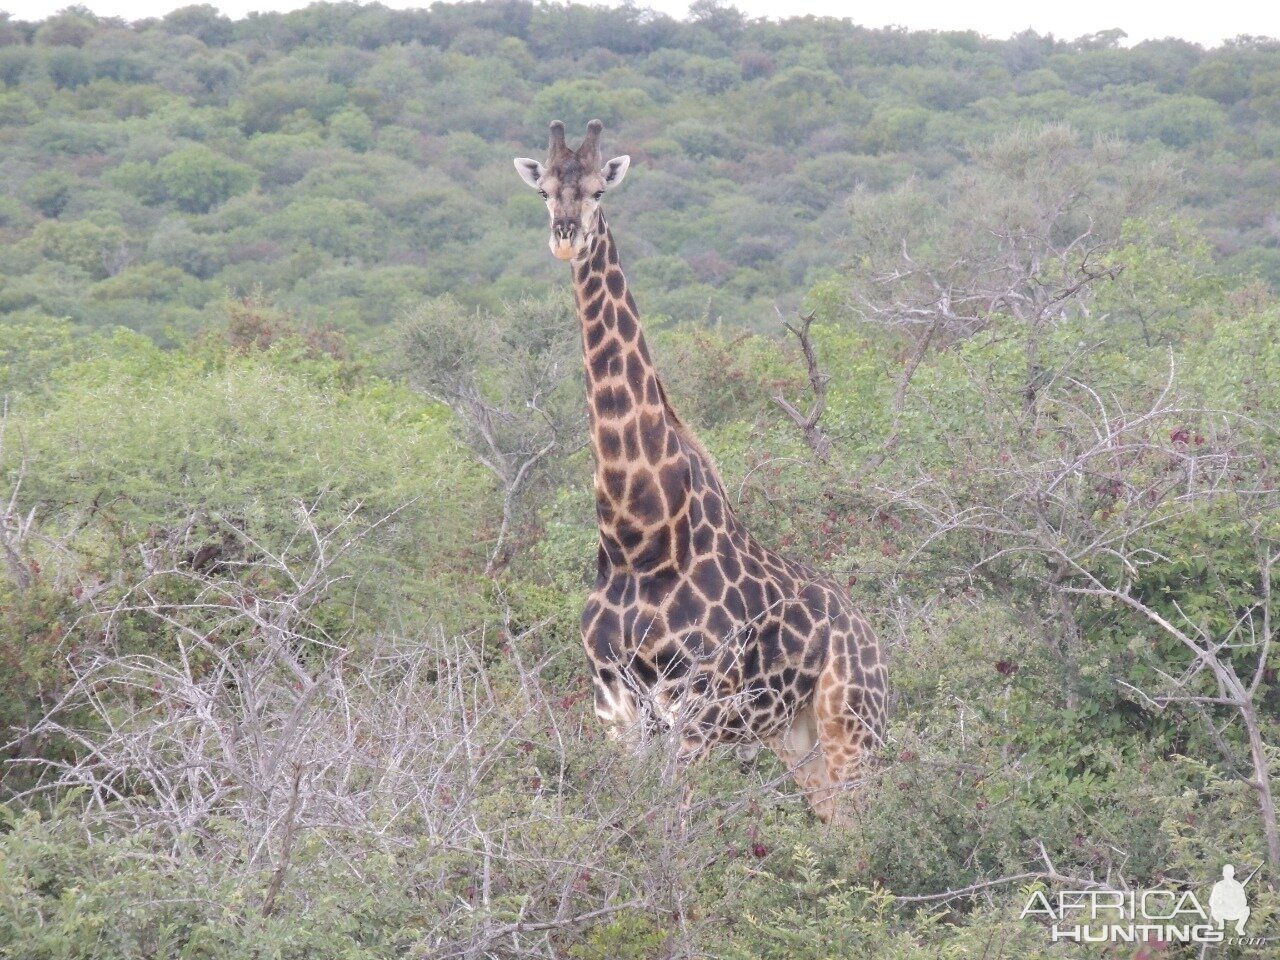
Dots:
{"x": 354, "y": 159}
{"x": 288, "y": 603}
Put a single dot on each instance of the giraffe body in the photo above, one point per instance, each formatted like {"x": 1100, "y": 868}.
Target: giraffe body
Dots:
{"x": 692, "y": 623}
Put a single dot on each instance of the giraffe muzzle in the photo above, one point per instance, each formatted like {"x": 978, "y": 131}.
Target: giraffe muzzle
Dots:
{"x": 565, "y": 238}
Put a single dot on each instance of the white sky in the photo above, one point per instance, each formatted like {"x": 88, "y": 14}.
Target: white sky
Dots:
{"x": 1207, "y": 23}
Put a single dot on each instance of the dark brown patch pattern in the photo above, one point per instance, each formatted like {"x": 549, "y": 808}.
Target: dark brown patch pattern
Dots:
{"x": 691, "y": 620}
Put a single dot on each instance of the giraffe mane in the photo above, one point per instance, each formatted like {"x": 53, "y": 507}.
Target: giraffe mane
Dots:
{"x": 690, "y": 440}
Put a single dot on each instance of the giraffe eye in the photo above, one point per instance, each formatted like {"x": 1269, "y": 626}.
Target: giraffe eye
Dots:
{"x": 543, "y": 194}
{"x": 597, "y": 195}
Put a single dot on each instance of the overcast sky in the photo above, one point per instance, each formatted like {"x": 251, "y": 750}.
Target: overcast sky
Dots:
{"x": 1208, "y": 23}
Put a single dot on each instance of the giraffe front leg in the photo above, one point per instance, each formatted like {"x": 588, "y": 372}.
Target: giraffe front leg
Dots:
{"x": 694, "y": 708}
{"x": 618, "y": 708}
{"x": 617, "y": 702}
{"x": 625, "y": 710}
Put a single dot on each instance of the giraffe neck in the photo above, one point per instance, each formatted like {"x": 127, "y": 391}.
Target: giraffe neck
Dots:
{"x": 643, "y": 470}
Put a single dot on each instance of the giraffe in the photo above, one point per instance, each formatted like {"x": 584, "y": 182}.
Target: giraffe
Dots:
{"x": 692, "y": 623}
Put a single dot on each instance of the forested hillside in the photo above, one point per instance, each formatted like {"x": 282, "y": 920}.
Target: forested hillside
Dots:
{"x": 297, "y": 518}
{"x": 350, "y": 160}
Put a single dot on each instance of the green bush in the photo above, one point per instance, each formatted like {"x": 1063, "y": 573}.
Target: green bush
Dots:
{"x": 196, "y": 179}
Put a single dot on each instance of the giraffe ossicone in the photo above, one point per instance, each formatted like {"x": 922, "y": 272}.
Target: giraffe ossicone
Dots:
{"x": 692, "y": 622}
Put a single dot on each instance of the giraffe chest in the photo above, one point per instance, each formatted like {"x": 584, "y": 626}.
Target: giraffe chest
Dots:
{"x": 728, "y": 633}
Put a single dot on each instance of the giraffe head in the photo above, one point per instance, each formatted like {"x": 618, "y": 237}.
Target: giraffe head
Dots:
{"x": 572, "y": 182}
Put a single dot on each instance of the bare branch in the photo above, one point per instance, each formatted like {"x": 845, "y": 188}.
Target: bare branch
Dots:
{"x": 808, "y": 423}
{"x": 1078, "y": 883}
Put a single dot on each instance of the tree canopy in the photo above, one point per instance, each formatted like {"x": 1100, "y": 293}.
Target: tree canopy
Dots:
{"x": 351, "y": 159}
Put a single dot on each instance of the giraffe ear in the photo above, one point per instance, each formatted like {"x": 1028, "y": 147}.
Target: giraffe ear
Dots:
{"x": 615, "y": 170}
{"x": 530, "y": 171}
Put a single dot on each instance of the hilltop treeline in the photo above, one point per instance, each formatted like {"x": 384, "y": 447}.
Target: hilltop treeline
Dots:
{"x": 351, "y": 159}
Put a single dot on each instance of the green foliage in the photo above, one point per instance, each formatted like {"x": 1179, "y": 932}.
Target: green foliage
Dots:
{"x": 255, "y": 425}
{"x": 35, "y": 621}
{"x": 749, "y": 137}
{"x": 31, "y": 348}
{"x": 578, "y": 101}
{"x": 1165, "y": 281}
{"x": 65, "y": 897}
{"x": 258, "y": 197}
{"x": 353, "y": 129}
{"x": 633, "y": 937}
{"x": 196, "y": 179}
{"x": 82, "y": 243}
{"x": 49, "y": 192}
